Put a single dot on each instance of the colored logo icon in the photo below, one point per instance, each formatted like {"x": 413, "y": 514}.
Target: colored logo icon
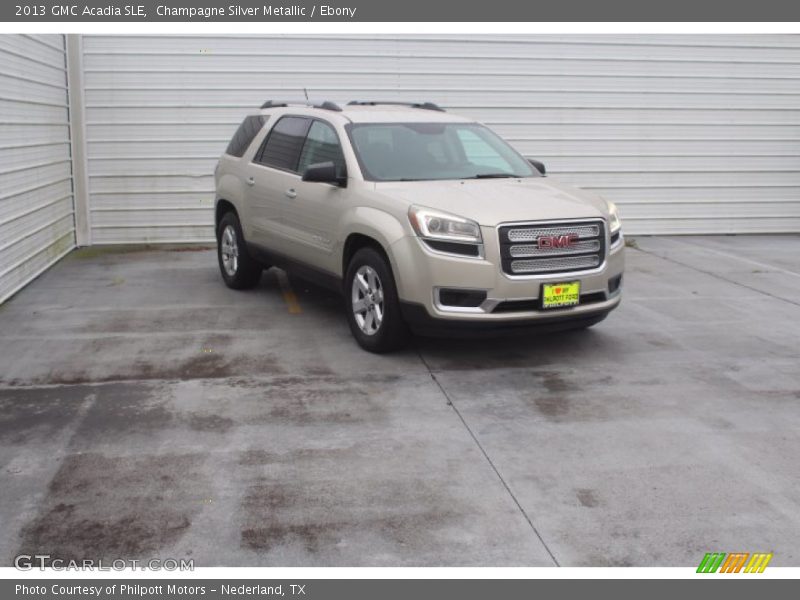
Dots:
{"x": 735, "y": 562}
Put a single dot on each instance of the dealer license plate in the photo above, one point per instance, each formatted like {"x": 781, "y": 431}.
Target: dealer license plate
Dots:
{"x": 559, "y": 295}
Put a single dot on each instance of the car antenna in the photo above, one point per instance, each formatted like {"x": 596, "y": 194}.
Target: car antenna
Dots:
{"x": 305, "y": 91}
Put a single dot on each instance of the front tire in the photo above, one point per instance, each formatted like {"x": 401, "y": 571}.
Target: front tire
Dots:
{"x": 373, "y": 308}
{"x": 239, "y": 270}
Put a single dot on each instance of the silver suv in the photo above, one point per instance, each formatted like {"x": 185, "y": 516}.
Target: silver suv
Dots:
{"x": 424, "y": 220}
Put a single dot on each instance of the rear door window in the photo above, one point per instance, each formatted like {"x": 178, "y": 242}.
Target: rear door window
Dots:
{"x": 284, "y": 143}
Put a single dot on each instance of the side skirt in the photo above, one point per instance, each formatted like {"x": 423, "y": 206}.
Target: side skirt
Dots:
{"x": 303, "y": 270}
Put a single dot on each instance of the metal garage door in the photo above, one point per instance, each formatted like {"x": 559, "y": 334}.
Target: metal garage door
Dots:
{"x": 686, "y": 133}
{"x": 36, "y": 207}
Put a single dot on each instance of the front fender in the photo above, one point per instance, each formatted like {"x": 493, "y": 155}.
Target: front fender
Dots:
{"x": 383, "y": 227}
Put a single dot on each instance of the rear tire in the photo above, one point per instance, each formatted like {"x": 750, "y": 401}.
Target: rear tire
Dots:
{"x": 239, "y": 270}
{"x": 373, "y": 308}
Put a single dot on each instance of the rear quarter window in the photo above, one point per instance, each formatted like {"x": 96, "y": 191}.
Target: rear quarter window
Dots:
{"x": 243, "y": 137}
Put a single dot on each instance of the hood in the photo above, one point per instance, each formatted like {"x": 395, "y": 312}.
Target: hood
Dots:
{"x": 493, "y": 201}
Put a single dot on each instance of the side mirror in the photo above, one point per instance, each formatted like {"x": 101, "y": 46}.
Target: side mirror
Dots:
{"x": 324, "y": 172}
{"x": 538, "y": 165}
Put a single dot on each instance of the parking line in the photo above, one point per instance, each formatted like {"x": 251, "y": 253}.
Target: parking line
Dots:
{"x": 483, "y": 451}
{"x": 718, "y": 276}
{"x": 743, "y": 259}
{"x": 288, "y": 294}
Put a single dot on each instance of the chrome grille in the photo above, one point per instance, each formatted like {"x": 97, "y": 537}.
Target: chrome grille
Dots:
{"x": 523, "y": 252}
{"x": 548, "y": 265}
{"x": 534, "y": 250}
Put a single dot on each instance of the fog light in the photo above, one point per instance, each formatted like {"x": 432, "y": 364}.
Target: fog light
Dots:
{"x": 461, "y": 298}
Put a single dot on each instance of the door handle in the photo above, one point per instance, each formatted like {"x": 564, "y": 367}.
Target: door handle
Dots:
{"x": 251, "y": 181}
{"x": 291, "y": 193}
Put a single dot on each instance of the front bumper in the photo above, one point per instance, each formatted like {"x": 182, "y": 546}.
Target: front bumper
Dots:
{"x": 417, "y": 317}
{"x": 421, "y": 272}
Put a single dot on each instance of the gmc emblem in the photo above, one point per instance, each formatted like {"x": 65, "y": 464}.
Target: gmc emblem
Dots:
{"x": 557, "y": 241}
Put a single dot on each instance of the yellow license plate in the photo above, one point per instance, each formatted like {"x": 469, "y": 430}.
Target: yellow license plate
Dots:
{"x": 559, "y": 295}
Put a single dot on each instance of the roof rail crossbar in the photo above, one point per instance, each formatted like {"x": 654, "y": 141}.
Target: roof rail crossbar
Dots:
{"x": 326, "y": 105}
{"x": 422, "y": 105}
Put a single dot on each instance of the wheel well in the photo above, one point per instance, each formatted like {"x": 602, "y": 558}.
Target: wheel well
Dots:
{"x": 223, "y": 207}
{"x": 354, "y": 243}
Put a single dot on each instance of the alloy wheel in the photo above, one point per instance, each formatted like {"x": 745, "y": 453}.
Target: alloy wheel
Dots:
{"x": 367, "y": 300}
{"x": 229, "y": 249}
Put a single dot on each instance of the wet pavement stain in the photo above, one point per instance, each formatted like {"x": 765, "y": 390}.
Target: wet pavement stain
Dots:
{"x": 259, "y": 457}
{"x": 501, "y": 352}
{"x": 310, "y": 405}
{"x": 552, "y": 406}
{"x": 100, "y": 250}
{"x": 554, "y": 382}
{"x": 176, "y": 320}
{"x": 587, "y": 498}
{"x": 720, "y": 423}
{"x": 604, "y": 560}
{"x": 315, "y": 507}
{"x": 116, "y": 507}
{"x": 553, "y": 401}
{"x": 28, "y": 415}
{"x": 123, "y": 409}
{"x": 320, "y": 370}
{"x": 205, "y": 365}
{"x": 211, "y": 423}
{"x": 310, "y": 537}
{"x": 201, "y": 366}
{"x": 400, "y": 515}
{"x": 298, "y": 400}
{"x": 255, "y": 457}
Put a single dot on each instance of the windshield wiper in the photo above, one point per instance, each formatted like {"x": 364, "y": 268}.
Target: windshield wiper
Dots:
{"x": 478, "y": 176}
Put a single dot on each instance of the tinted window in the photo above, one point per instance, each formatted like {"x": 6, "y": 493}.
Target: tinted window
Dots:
{"x": 244, "y": 135}
{"x": 427, "y": 151}
{"x": 322, "y": 145}
{"x": 284, "y": 143}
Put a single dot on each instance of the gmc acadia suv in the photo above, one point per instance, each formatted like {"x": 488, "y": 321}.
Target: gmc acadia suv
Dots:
{"x": 422, "y": 219}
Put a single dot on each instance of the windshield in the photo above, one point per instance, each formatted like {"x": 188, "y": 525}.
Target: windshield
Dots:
{"x": 427, "y": 151}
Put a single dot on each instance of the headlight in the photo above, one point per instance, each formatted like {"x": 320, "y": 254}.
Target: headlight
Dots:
{"x": 435, "y": 225}
{"x": 614, "y": 223}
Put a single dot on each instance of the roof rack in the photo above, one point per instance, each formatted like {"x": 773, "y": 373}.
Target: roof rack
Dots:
{"x": 326, "y": 105}
{"x": 422, "y": 105}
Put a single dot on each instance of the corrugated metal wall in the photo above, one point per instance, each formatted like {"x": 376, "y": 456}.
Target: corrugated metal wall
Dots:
{"x": 686, "y": 133}
{"x": 36, "y": 205}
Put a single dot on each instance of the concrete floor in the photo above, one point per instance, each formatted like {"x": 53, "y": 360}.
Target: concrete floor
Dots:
{"x": 148, "y": 411}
